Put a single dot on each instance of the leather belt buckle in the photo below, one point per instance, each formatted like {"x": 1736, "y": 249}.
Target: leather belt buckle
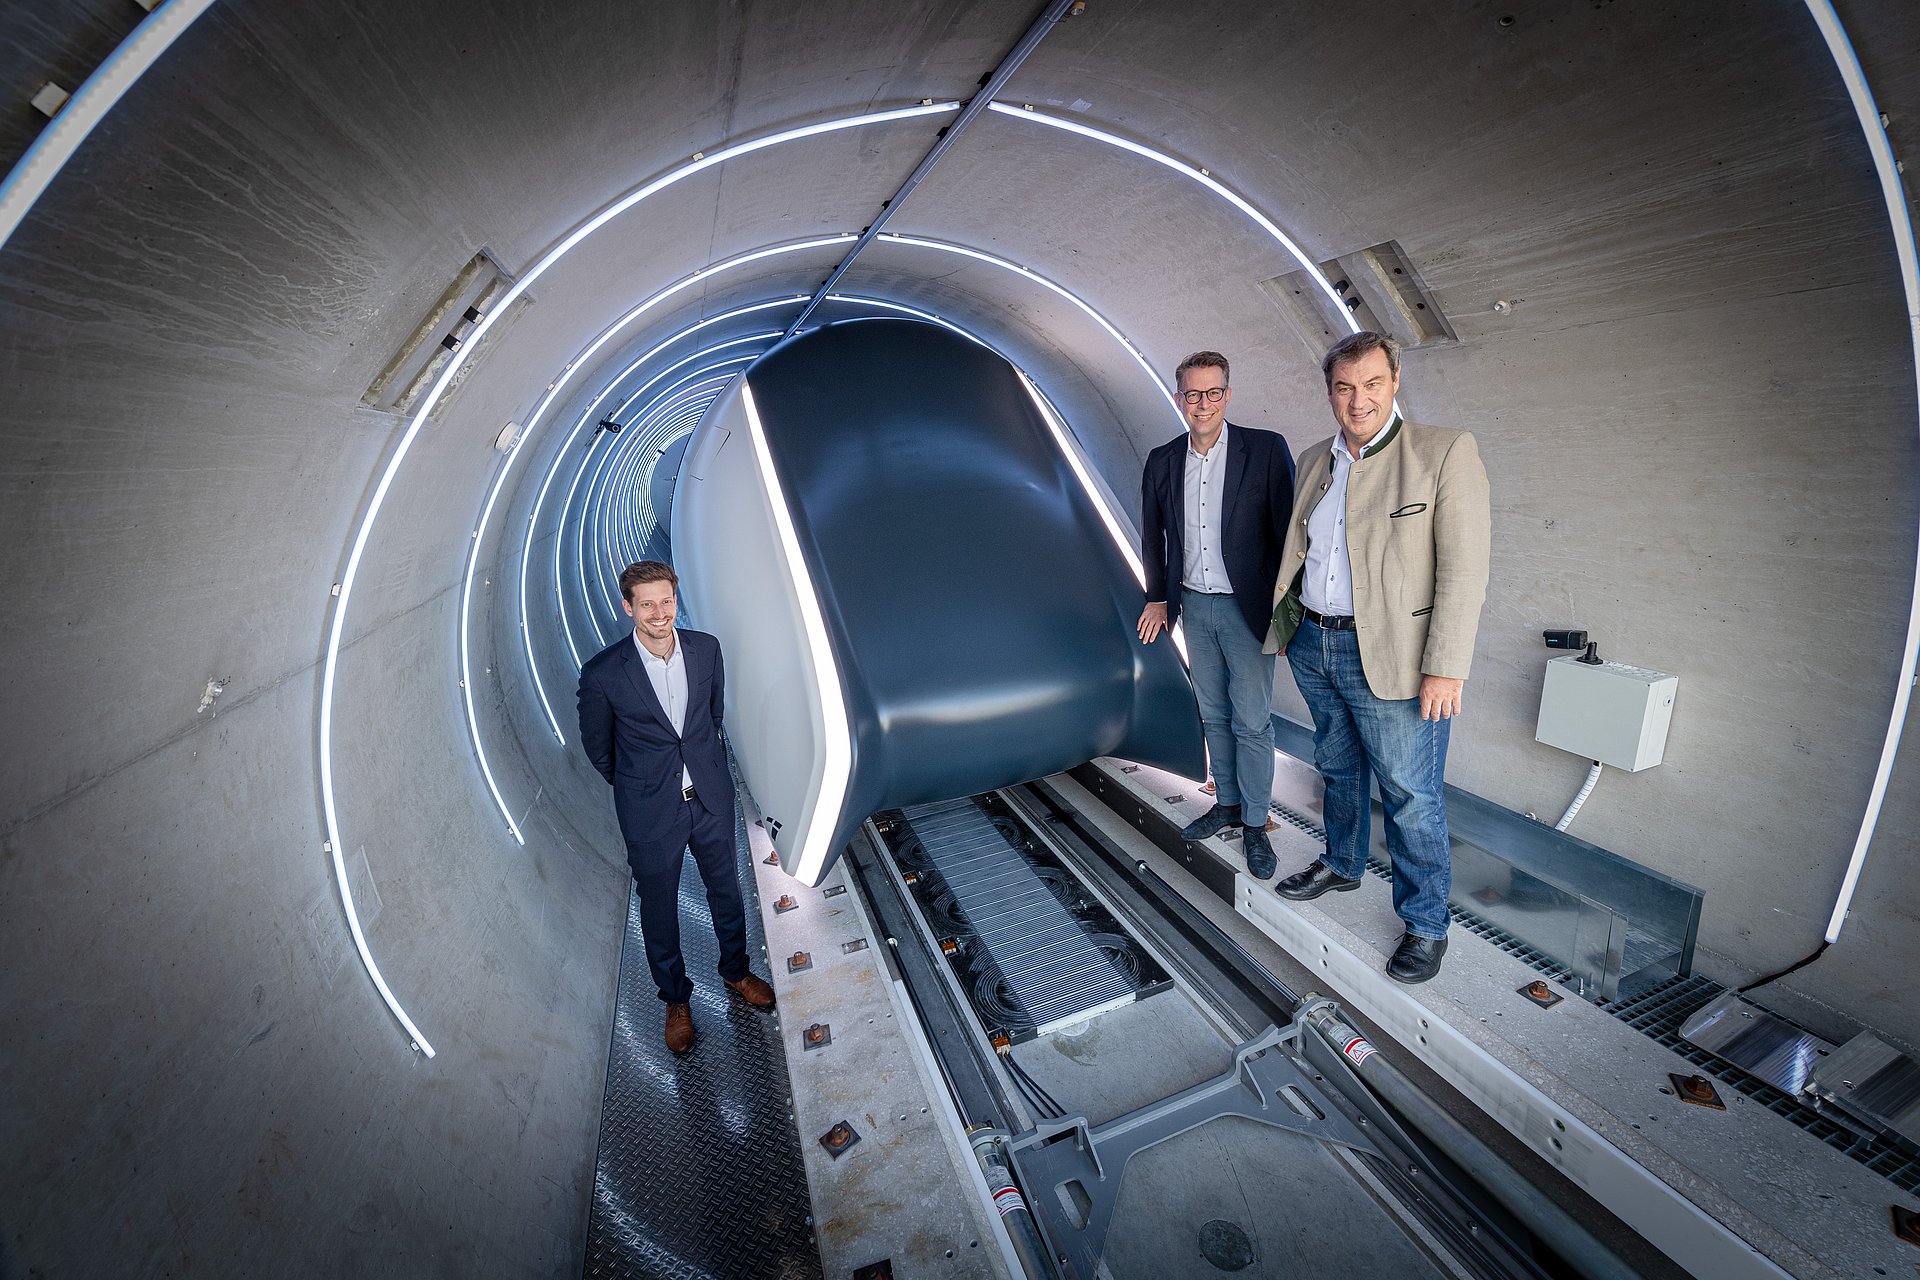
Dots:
{"x": 686, "y": 793}
{"x": 1330, "y": 622}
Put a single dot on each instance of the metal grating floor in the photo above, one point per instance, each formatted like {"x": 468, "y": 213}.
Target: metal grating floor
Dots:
{"x": 1659, "y": 1014}
{"x": 1047, "y": 969}
{"x": 699, "y": 1172}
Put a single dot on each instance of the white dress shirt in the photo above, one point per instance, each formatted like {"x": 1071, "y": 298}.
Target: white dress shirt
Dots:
{"x": 1206, "y": 483}
{"x": 1327, "y": 585}
{"x": 668, "y": 676}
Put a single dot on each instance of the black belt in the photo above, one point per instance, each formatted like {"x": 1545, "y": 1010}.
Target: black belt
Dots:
{"x": 1328, "y": 622}
{"x": 686, "y": 793}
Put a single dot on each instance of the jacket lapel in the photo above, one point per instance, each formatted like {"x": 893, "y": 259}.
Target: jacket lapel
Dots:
{"x": 1176, "y": 481}
{"x": 643, "y": 686}
{"x": 1236, "y": 472}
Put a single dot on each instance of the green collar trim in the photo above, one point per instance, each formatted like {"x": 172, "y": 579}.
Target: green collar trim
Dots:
{"x": 1393, "y": 430}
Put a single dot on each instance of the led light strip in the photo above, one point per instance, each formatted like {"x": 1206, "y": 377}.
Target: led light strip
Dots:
{"x": 527, "y": 546}
{"x": 526, "y": 549}
{"x": 559, "y": 384}
{"x": 560, "y": 455}
{"x": 703, "y": 383}
{"x": 626, "y": 520}
{"x": 1192, "y": 174}
{"x": 837, "y": 766}
{"x": 942, "y": 246}
{"x": 1909, "y": 258}
{"x": 337, "y": 626}
{"x": 35, "y": 171}
{"x": 1116, "y": 528}
{"x": 580, "y": 472}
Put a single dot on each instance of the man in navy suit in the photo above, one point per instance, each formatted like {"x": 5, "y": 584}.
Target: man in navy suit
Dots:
{"x": 1214, "y": 506}
{"x": 650, "y": 712}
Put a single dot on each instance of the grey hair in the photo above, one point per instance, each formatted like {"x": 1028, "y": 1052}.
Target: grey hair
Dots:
{"x": 1356, "y": 345}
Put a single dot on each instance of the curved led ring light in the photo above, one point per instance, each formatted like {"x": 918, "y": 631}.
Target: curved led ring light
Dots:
{"x": 337, "y": 626}
{"x": 560, "y": 455}
{"x": 486, "y": 515}
{"x": 527, "y": 546}
{"x": 1192, "y": 174}
{"x": 580, "y": 471}
{"x": 621, "y": 531}
{"x": 1909, "y": 257}
{"x": 35, "y": 171}
{"x": 980, "y": 255}
{"x": 699, "y": 386}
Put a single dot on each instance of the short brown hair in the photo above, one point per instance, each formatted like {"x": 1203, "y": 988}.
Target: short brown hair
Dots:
{"x": 646, "y": 571}
{"x": 1356, "y": 345}
{"x": 1204, "y": 360}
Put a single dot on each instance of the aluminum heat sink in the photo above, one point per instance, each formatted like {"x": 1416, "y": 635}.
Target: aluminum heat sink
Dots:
{"x": 1031, "y": 949}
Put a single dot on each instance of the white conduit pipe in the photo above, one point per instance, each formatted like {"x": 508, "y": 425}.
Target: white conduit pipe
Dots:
{"x": 1896, "y": 200}
{"x": 1586, "y": 789}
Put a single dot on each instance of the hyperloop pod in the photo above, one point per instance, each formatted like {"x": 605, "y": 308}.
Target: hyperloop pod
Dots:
{"x": 917, "y": 596}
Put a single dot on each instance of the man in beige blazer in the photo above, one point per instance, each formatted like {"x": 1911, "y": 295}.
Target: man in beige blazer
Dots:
{"x": 1388, "y": 552}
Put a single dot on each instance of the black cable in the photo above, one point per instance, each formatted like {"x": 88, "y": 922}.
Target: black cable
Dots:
{"x": 1050, "y": 1108}
{"x": 1797, "y": 964}
{"x": 1020, "y": 1085}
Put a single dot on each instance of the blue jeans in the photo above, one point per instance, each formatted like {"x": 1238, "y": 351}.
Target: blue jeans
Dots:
{"x": 1233, "y": 684}
{"x": 1358, "y": 738}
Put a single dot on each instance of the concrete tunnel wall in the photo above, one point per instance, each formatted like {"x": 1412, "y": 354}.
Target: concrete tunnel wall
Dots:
{"x": 1699, "y": 418}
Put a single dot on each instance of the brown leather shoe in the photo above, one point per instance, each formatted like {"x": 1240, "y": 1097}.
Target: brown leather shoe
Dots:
{"x": 754, "y": 991}
{"x": 679, "y": 1028}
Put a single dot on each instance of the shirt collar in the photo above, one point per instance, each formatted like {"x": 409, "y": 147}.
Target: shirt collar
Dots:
{"x": 646, "y": 654}
{"x": 1221, "y": 443}
{"x": 1386, "y": 438}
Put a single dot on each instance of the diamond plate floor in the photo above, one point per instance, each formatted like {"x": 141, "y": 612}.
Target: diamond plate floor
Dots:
{"x": 699, "y": 1172}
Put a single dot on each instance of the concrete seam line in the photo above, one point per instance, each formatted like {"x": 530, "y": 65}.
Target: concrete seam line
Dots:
{"x": 35, "y": 171}
{"x": 1848, "y": 64}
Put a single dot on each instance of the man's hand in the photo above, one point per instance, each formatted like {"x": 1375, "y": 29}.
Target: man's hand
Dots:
{"x": 1153, "y": 620}
{"x": 1439, "y": 697}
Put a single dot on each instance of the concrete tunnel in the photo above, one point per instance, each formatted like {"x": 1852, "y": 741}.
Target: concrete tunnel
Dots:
{"x": 1650, "y": 265}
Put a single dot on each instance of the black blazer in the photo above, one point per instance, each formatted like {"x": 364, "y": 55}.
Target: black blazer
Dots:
{"x": 1254, "y": 515}
{"x": 627, "y": 736}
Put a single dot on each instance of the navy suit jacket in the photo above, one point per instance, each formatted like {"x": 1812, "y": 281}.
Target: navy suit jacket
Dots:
{"x": 628, "y": 737}
{"x": 1254, "y": 514}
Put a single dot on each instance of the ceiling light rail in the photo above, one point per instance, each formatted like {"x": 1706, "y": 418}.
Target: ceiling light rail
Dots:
{"x": 943, "y": 143}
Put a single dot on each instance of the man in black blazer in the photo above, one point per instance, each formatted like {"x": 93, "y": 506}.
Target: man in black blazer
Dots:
{"x": 650, "y": 713}
{"x": 1214, "y": 506}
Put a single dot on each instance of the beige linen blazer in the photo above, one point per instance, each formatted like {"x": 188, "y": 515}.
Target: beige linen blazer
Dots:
{"x": 1418, "y": 536}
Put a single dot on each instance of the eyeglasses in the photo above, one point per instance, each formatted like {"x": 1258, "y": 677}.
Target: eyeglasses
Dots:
{"x": 1212, "y": 395}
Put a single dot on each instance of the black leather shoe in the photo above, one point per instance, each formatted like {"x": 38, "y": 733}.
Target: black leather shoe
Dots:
{"x": 1260, "y": 860}
{"x": 1416, "y": 959}
{"x": 1212, "y": 822}
{"x": 1317, "y": 879}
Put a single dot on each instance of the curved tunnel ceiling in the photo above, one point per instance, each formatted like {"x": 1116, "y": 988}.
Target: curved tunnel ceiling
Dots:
{"x": 1697, "y": 403}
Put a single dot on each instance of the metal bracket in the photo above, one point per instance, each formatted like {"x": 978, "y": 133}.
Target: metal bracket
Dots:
{"x": 1068, "y": 1159}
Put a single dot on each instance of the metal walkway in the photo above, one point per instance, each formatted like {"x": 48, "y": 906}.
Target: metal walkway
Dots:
{"x": 699, "y": 1172}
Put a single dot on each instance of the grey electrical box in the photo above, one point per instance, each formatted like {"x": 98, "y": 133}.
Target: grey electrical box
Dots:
{"x": 1609, "y": 711}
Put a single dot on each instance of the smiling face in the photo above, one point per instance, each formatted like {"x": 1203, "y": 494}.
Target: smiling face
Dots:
{"x": 652, "y": 606}
{"x": 1361, "y": 391}
{"x": 1204, "y": 412}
